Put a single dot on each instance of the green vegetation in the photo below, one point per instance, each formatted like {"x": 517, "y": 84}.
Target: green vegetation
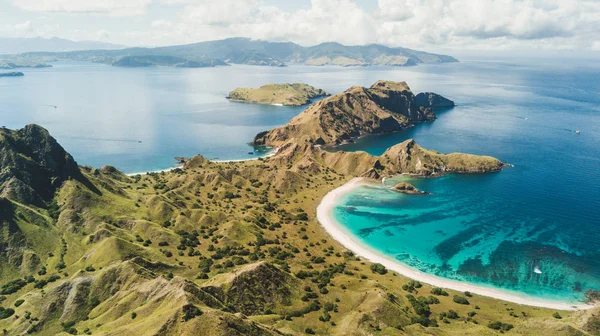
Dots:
{"x": 295, "y": 94}
{"x": 189, "y": 312}
{"x": 105, "y": 253}
{"x": 378, "y": 268}
{"x": 497, "y": 325}
{"x": 6, "y": 313}
{"x": 439, "y": 291}
{"x": 460, "y": 300}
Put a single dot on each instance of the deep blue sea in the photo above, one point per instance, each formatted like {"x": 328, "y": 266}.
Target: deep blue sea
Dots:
{"x": 498, "y": 229}
{"x": 533, "y": 228}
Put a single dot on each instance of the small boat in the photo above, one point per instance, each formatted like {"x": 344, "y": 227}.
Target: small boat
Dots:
{"x": 577, "y": 132}
{"x": 251, "y": 153}
{"x": 139, "y": 141}
{"x": 537, "y": 270}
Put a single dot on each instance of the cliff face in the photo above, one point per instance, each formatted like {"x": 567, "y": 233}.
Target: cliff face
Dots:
{"x": 33, "y": 165}
{"x": 384, "y": 107}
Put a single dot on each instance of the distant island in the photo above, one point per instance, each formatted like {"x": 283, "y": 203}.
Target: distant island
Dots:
{"x": 253, "y": 52}
{"x": 11, "y": 74}
{"x": 384, "y": 107}
{"x": 158, "y": 60}
{"x": 18, "y": 63}
{"x": 295, "y": 94}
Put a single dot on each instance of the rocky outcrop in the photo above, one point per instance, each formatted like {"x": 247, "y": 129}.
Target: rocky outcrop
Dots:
{"x": 433, "y": 100}
{"x": 410, "y": 158}
{"x": 33, "y": 165}
{"x": 295, "y": 94}
{"x": 407, "y": 188}
{"x": 253, "y": 289}
{"x": 382, "y": 108}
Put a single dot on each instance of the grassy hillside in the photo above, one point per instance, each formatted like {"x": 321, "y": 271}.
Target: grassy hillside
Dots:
{"x": 295, "y": 94}
{"x": 224, "y": 249}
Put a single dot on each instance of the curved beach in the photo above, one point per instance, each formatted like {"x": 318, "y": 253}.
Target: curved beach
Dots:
{"x": 338, "y": 232}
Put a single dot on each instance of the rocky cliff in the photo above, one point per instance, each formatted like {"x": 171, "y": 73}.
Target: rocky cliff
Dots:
{"x": 33, "y": 165}
{"x": 382, "y": 108}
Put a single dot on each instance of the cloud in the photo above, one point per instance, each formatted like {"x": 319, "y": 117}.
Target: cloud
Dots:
{"x": 425, "y": 24}
{"x": 161, "y": 24}
{"x": 412, "y": 23}
{"x": 23, "y": 28}
{"x": 110, "y": 7}
{"x": 102, "y": 35}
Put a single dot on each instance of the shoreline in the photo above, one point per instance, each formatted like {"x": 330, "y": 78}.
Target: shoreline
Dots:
{"x": 180, "y": 166}
{"x": 336, "y": 231}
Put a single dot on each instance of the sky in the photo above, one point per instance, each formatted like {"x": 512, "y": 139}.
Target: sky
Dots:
{"x": 510, "y": 25}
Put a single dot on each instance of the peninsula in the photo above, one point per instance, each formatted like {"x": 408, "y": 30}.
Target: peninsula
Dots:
{"x": 234, "y": 248}
{"x": 384, "y": 107}
{"x": 295, "y": 94}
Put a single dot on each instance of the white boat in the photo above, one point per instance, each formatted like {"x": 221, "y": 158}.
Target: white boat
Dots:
{"x": 577, "y": 132}
{"x": 537, "y": 270}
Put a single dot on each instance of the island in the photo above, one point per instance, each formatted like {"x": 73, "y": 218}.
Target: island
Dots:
{"x": 407, "y": 188}
{"x": 232, "y": 248}
{"x": 384, "y": 107}
{"x": 239, "y": 50}
{"x": 160, "y": 60}
{"x": 11, "y": 74}
{"x": 295, "y": 94}
{"x": 15, "y": 64}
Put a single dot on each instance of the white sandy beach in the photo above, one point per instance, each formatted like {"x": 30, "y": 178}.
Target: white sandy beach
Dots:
{"x": 272, "y": 153}
{"x": 328, "y": 221}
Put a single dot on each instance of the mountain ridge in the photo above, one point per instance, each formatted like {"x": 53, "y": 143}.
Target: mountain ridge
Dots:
{"x": 239, "y": 50}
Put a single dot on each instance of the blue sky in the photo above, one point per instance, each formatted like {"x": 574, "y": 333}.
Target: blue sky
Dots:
{"x": 527, "y": 25}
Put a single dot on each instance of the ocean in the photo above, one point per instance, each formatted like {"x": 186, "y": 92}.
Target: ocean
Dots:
{"x": 532, "y": 228}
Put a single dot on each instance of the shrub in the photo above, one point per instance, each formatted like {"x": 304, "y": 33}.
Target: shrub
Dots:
{"x": 190, "y": 311}
{"x": 6, "y": 313}
{"x": 460, "y": 300}
{"x": 556, "y": 315}
{"x": 19, "y": 302}
{"x": 439, "y": 291}
{"x": 378, "y": 268}
{"x": 452, "y": 314}
{"x": 497, "y": 325}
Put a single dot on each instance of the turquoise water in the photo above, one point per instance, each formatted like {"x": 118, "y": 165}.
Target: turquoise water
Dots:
{"x": 497, "y": 229}
{"x": 491, "y": 229}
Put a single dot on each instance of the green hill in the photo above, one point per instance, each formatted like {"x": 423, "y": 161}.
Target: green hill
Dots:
{"x": 218, "y": 249}
{"x": 256, "y": 52}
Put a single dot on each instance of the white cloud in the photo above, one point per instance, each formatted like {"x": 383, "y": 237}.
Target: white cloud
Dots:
{"x": 23, "y": 28}
{"x": 102, "y": 35}
{"x": 161, "y": 24}
{"x": 111, "y": 7}
{"x": 428, "y": 24}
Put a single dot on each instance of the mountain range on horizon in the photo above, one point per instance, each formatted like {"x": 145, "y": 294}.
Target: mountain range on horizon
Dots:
{"x": 241, "y": 50}
{"x": 19, "y": 45}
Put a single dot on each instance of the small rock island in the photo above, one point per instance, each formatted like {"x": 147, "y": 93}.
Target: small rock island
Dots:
{"x": 11, "y": 74}
{"x": 296, "y": 94}
{"x": 407, "y": 188}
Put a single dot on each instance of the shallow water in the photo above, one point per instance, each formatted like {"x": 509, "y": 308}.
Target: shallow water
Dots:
{"x": 534, "y": 227}
{"x": 493, "y": 229}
